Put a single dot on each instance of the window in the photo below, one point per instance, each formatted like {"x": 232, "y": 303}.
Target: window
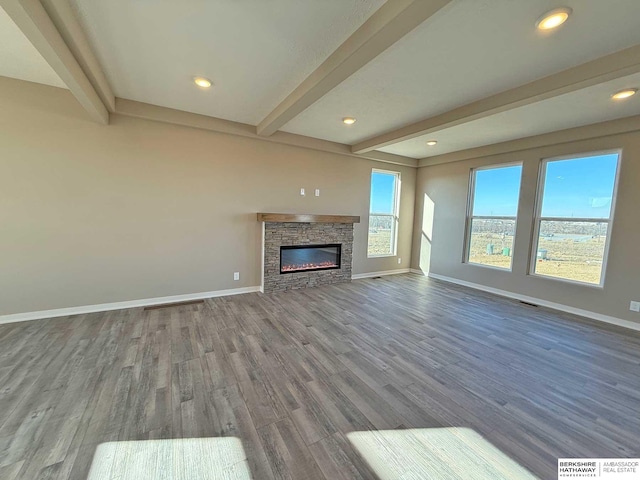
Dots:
{"x": 573, "y": 220}
{"x": 491, "y": 217}
{"x": 383, "y": 213}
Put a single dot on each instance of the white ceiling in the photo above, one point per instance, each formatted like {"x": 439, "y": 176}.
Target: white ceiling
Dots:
{"x": 469, "y": 50}
{"x": 257, "y": 51}
{"x": 583, "y": 107}
{"x": 254, "y": 51}
{"x": 19, "y": 59}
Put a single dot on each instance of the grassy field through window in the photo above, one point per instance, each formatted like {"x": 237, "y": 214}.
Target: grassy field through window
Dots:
{"x": 489, "y": 249}
{"x": 569, "y": 250}
{"x": 379, "y": 241}
{"x": 492, "y": 242}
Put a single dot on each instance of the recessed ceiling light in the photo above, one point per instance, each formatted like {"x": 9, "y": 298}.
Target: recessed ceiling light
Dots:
{"x": 553, "y": 18}
{"x": 431, "y": 143}
{"x": 626, "y": 93}
{"x": 348, "y": 120}
{"x": 202, "y": 82}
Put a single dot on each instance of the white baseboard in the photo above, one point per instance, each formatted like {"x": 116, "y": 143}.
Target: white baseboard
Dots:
{"x": 543, "y": 303}
{"x": 418, "y": 272}
{"x": 358, "y": 276}
{"x": 104, "y": 307}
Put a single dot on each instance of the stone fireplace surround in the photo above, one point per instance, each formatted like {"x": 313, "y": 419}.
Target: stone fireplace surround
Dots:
{"x": 292, "y": 229}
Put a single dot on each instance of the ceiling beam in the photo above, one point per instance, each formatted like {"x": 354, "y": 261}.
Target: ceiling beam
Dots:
{"x": 131, "y": 108}
{"x": 604, "y": 69}
{"x": 570, "y": 135}
{"x": 386, "y": 26}
{"x": 65, "y": 20}
{"x": 31, "y": 17}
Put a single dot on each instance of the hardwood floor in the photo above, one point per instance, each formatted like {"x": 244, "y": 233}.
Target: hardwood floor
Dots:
{"x": 292, "y": 374}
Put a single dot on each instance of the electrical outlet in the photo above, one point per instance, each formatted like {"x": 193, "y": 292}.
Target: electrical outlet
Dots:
{"x": 302, "y": 192}
{"x": 236, "y": 275}
{"x": 634, "y": 306}
{"x": 317, "y": 192}
{"x": 399, "y": 260}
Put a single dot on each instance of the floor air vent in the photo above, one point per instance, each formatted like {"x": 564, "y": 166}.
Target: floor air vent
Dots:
{"x": 176, "y": 304}
{"x": 529, "y": 304}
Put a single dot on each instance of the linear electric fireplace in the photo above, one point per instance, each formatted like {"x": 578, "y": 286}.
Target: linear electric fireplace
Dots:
{"x": 305, "y": 258}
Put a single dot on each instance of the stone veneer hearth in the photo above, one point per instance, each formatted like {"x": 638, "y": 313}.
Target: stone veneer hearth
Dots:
{"x": 278, "y": 234}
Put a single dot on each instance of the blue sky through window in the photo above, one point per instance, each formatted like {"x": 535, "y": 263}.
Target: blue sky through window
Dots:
{"x": 382, "y": 192}
{"x": 580, "y": 187}
{"x": 497, "y": 191}
{"x": 574, "y": 188}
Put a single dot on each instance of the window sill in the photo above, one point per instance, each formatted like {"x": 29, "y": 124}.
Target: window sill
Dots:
{"x": 567, "y": 280}
{"x": 384, "y": 255}
{"x": 491, "y": 267}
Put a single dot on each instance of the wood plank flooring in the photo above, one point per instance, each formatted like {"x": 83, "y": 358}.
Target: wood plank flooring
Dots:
{"x": 292, "y": 374}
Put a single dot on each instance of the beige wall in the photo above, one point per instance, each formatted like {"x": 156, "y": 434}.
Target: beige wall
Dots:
{"x": 439, "y": 229}
{"x": 96, "y": 214}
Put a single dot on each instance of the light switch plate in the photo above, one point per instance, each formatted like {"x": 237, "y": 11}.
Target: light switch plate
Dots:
{"x": 302, "y": 192}
{"x": 317, "y": 192}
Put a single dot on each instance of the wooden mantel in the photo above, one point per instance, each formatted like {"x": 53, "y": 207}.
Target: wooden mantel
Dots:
{"x": 306, "y": 218}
